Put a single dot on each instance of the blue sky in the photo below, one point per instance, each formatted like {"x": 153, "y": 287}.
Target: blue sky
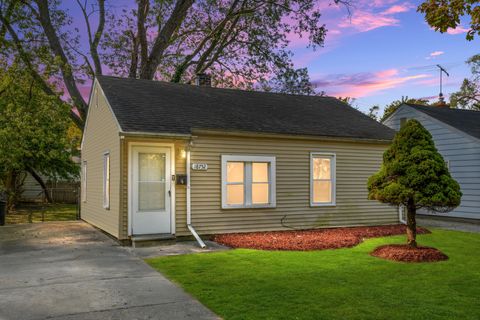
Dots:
{"x": 383, "y": 51}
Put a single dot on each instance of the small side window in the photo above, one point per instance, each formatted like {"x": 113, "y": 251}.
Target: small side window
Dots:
{"x": 322, "y": 179}
{"x": 83, "y": 189}
{"x": 403, "y": 121}
{"x": 106, "y": 180}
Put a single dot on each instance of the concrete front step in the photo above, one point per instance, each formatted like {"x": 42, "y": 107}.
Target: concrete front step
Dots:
{"x": 147, "y": 240}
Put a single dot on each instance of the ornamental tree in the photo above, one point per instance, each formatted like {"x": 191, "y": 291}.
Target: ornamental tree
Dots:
{"x": 34, "y": 133}
{"x": 414, "y": 174}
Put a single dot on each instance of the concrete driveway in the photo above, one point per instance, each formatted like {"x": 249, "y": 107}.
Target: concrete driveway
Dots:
{"x": 73, "y": 271}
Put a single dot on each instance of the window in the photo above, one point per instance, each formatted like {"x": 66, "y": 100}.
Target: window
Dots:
{"x": 248, "y": 181}
{"x": 84, "y": 181}
{"x": 106, "y": 180}
{"x": 322, "y": 180}
{"x": 403, "y": 121}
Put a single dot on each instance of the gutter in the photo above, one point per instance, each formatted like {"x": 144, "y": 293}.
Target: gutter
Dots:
{"x": 140, "y": 134}
{"x": 236, "y": 133}
{"x": 189, "y": 205}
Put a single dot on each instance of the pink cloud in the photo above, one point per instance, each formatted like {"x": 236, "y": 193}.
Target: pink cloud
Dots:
{"x": 436, "y": 53}
{"x": 399, "y": 8}
{"x": 458, "y": 30}
{"x": 364, "y": 84}
{"x": 370, "y": 18}
{"x": 387, "y": 73}
{"x": 364, "y": 21}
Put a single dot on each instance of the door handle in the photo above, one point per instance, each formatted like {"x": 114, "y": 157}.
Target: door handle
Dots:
{"x": 169, "y": 193}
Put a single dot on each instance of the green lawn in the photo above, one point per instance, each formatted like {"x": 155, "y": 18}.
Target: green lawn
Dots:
{"x": 42, "y": 212}
{"x": 335, "y": 284}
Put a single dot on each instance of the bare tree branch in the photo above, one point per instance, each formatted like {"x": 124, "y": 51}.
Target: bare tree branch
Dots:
{"x": 94, "y": 40}
{"x": 65, "y": 66}
{"x": 163, "y": 38}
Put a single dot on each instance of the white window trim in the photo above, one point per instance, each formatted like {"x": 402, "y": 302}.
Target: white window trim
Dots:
{"x": 272, "y": 183}
{"x": 333, "y": 170}
{"x": 106, "y": 180}
{"x": 83, "y": 189}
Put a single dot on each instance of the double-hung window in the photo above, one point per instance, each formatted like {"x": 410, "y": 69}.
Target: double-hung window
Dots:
{"x": 322, "y": 179}
{"x": 106, "y": 180}
{"x": 248, "y": 181}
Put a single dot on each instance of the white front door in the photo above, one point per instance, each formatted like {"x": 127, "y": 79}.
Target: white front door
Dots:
{"x": 151, "y": 188}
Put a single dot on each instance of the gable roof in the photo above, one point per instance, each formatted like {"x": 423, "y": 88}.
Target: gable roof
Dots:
{"x": 145, "y": 106}
{"x": 467, "y": 121}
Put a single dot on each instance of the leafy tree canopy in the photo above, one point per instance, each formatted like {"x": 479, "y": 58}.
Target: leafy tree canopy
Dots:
{"x": 33, "y": 128}
{"x": 468, "y": 97}
{"x": 238, "y": 42}
{"x": 447, "y": 14}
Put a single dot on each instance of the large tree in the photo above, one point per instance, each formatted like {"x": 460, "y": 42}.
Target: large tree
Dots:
{"x": 443, "y": 15}
{"x": 239, "y": 42}
{"x": 414, "y": 175}
{"x": 468, "y": 97}
{"x": 34, "y": 133}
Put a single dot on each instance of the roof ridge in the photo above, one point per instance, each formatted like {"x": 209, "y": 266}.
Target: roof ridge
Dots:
{"x": 216, "y": 88}
{"x": 440, "y": 108}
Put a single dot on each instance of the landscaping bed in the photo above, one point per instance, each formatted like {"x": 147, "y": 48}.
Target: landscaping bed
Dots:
{"x": 305, "y": 240}
{"x": 405, "y": 253}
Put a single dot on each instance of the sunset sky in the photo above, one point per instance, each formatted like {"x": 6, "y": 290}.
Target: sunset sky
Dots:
{"x": 382, "y": 52}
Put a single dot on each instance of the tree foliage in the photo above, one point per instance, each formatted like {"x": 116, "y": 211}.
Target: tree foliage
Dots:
{"x": 239, "y": 42}
{"x": 33, "y": 131}
{"x": 468, "y": 97}
{"x": 414, "y": 175}
{"x": 393, "y": 106}
{"x": 373, "y": 112}
{"x": 447, "y": 14}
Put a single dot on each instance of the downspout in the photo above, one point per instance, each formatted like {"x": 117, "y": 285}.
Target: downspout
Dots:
{"x": 189, "y": 205}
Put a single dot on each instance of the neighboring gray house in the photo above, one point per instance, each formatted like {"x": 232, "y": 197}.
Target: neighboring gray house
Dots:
{"x": 456, "y": 133}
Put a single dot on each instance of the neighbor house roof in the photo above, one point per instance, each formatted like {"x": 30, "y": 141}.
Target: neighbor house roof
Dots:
{"x": 145, "y": 106}
{"x": 467, "y": 121}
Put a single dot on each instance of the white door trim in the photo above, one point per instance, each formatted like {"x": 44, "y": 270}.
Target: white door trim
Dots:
{"x": 132, "y": 145}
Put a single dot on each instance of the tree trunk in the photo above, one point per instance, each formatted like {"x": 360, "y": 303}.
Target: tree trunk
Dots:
{"x": 411, "y": 225}
{"x": 163, "y": 38}
{"x": 41, "y": 183}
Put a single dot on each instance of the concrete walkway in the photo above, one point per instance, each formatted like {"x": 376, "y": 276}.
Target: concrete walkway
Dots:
{"x": 434, "y": 222}
{"x": 72, "y": 271}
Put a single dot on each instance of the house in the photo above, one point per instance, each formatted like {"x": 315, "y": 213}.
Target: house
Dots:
{"x": 161, "y": 158}
{"x": 456, "y": 134}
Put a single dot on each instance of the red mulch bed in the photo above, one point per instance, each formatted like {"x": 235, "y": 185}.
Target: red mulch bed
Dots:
{"x": 304, "y": 240}
{"x": 405, "y": 253}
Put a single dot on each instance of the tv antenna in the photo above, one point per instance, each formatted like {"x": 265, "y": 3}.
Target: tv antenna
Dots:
{"x": 442, "y": 71}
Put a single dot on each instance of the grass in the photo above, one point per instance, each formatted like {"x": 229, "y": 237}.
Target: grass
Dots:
{"x": 42, "y": 212}
{"x": 334, "y": 284}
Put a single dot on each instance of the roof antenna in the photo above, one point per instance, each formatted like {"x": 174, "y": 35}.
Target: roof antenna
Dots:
{"x": 442, "y": 70}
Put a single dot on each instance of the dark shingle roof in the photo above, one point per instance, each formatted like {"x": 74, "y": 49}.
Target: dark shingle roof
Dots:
{"x": 163, "y": 107}
{"x": 467, "y": 121}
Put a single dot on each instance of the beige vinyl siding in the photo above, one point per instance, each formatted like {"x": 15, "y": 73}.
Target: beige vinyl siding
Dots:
{"x": 180, "y": 190}
{"x": 101, "y": 135}
{"x": 355, "y": 162}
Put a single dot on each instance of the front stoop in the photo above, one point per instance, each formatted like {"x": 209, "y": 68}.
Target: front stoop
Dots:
{"x": 148, "y": 240}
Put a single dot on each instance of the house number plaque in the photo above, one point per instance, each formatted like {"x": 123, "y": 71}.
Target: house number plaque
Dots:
{"x": 200, "y": 166}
